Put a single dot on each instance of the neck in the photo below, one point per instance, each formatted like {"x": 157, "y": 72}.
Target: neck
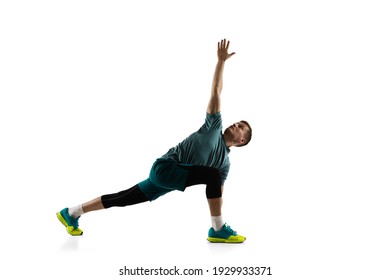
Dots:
{"x": 228, "y": 142}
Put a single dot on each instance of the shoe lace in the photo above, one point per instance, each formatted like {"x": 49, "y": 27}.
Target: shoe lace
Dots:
{"x": 230, "y": 230}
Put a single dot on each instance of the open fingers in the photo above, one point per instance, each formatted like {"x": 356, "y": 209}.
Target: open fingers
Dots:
{"x": 223, "y": 44}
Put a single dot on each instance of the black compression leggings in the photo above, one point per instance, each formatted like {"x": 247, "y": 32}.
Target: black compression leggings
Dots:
{"x": 124, "y": 198}
{"x": 209, "y": 176}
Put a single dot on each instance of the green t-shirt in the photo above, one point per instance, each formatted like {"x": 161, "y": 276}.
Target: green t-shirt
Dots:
{"x": 204, "y": 147}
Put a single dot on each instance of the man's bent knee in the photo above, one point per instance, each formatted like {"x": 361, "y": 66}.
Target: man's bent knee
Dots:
{"x": 213, "y": 188}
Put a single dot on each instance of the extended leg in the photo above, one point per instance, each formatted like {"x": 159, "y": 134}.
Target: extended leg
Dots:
{"x": 123, "y": 198}
{"x": 69, "y": 217}
{"x": 93, "y": 205}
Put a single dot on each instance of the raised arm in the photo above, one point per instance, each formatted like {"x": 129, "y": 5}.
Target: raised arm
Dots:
{"x": 216, "y": 88}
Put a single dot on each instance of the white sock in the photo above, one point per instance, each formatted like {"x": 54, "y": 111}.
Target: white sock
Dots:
{"x": 217, "y": 222}
{"x": 76, "y": 211}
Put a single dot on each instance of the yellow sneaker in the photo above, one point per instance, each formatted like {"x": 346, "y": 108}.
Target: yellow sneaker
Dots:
{"x": 71, "y": 224}
{"x": 225, "y": 235}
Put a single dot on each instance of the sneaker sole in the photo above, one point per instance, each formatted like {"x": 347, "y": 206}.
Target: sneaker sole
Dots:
{"x": 223, "y": 240}
{"x": 69, "y": 229}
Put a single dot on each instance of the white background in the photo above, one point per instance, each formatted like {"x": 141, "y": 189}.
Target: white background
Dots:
{"x": 92, "y": 92}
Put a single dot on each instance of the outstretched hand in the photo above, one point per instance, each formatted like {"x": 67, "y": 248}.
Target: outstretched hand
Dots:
{"x": 223, "y": 47}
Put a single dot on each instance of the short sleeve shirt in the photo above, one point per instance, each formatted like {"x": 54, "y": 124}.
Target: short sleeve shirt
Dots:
{"x": 204, "y": 147}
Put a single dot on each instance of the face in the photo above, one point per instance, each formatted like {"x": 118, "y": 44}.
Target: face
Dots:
{"x": 236, "y": 132}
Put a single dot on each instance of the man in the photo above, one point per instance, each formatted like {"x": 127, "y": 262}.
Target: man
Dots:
{"x": 202, "y": 158}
